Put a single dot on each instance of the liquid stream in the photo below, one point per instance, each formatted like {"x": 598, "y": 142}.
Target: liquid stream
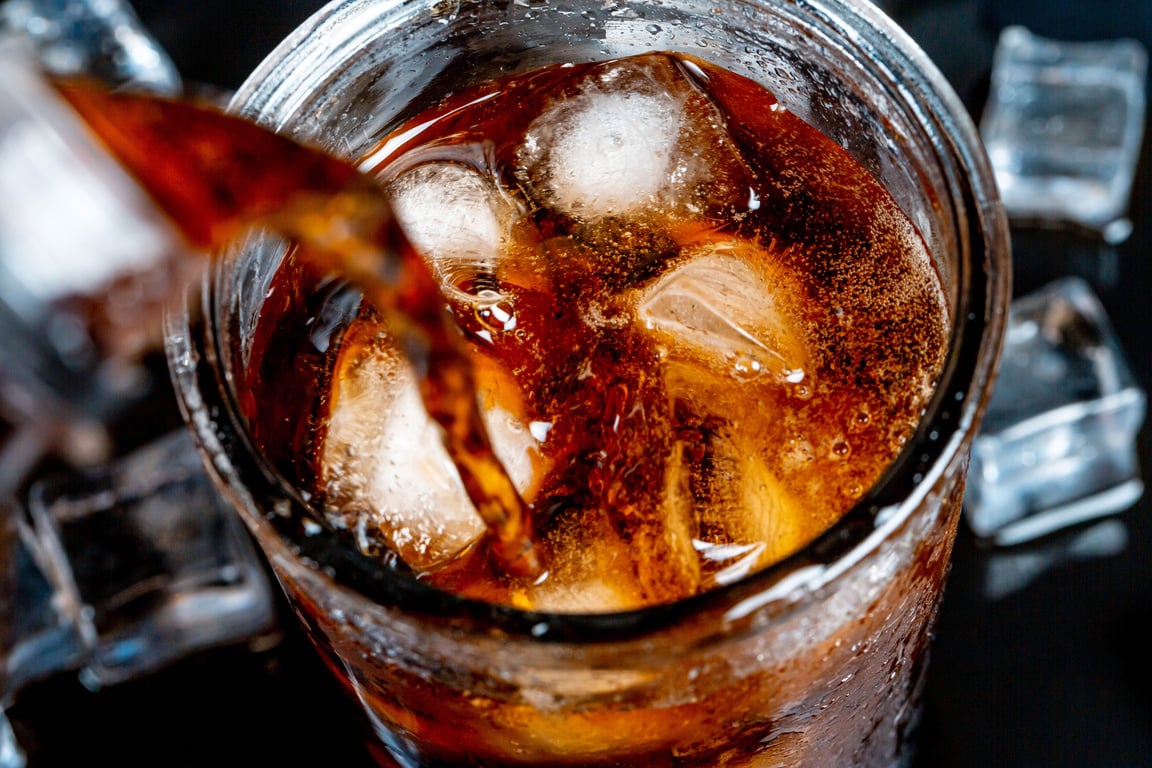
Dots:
{"x": 217, "y": 176}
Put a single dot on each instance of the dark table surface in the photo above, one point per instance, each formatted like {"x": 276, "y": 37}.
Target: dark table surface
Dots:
{"x": 1041, "y": 656}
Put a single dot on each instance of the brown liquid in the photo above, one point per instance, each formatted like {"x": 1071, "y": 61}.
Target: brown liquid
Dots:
{"x": 655, "y": 462}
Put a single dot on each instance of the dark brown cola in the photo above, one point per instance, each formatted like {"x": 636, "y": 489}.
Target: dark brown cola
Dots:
{"x": 699, "y": 330}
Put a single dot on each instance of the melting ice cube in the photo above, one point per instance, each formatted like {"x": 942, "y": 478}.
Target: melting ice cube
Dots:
{"x": 748, "y": 516}
{"x": 456, "y": 217}
{"x": 637, "y": 136}
{"x": 388, "y": 474}
{"x": 719, "y": 306}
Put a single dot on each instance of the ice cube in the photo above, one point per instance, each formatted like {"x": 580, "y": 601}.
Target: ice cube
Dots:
{"x": 103, "y": 39}
{"x": 636, "y": 137}
{"x": 583, "y": 597}
{"x": 611, "y": 152}
{"x": 590, "y": 569}
{"x": 595, "y": 594}
{"x": 1058, "y": 443}
{"x": 748, "y": 517}
{"x": 718, "y": 306}
{"x": 1006, "y": 571}
{"x": 1063, "y": 126}
{"x": 455, "y": 216}
{"x": 388, "y": 475}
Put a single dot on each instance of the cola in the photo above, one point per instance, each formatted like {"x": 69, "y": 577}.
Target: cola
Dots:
{"x": 700, "y": 332}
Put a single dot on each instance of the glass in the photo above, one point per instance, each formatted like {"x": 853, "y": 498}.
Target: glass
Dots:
{"x": 817, "y": 660}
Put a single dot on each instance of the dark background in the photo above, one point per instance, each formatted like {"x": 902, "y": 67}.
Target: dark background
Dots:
{"x": 1041, "y": 656}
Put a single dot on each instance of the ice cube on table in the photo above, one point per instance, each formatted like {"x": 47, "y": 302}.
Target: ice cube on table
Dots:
{"x": 1006, "y": 571}
{"x": 1063, "y": 126}
{"x": 95, "y": 38}
{"x": 1057, "y": 445}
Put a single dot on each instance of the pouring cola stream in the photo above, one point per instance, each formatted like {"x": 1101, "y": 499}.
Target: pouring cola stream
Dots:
{"x": 224, "y": 175}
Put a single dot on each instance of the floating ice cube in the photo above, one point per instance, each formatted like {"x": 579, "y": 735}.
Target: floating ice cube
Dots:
{"x": 456, "y": 217}
{"x": 637, "y": 136}
{"x": 717, "y": 305}
{"x": 590, "y": 596}
{"x": 388, "y": 474}
{"x": 611, "y": 151}
{"x": 590, "y": 571}
{"x": 748, "y": 517}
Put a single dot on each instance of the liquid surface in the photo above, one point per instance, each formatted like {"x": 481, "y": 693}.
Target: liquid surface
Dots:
{"x": 699, "y": 331}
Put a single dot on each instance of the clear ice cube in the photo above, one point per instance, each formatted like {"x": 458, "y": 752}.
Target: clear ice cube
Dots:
{"x": 98, "y": 38}
{"x": 635, "y": 138}
{"x": 144, "y": 560}
{"x": 1057, "y": 445}
{"x": 1063, "y": 126}
{"x": 717, "y": 305}
{"x": 388, "y": 474}
{"x": 1004, "y": 572}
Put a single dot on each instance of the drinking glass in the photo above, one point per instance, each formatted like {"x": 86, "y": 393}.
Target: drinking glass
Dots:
{"x": 815, "y": 661}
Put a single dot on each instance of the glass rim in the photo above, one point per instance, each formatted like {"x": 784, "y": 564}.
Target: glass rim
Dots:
{"x": 953, "y": 413}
